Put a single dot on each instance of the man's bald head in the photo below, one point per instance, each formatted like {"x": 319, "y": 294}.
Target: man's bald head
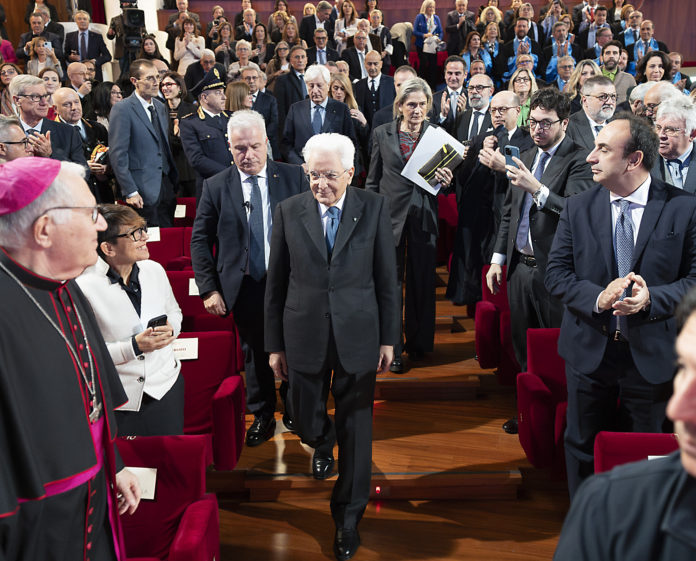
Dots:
{"x": 77, "y": 73}
{"x": 373, "y": 64}
{"x": 68, "y": 104}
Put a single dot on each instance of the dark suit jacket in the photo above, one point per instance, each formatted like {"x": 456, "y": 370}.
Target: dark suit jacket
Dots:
{"x": 288, "y": 90}
{"x": 331, "y": 54}
{"x": 66, "y": 143}
{"x": 566, "y": 174}
{"x": 355, "y": 297}
{"x": 462, "y": 121}
{"x": 240, "y": 32}
{"x": 307, "y": 26}
{"x": 96, "y": 49}
{"x": 24, "y": 38}
{"x": 134, "y": 149}
{"x": 384, "y": 176}
{"x": 220, "y": 236}
{"x": 298, "y": 127}
{"x": 582, "y": 264}
{"x": 447, "y": 124}
{"x": 455, "y": 34}
{"x": 350, "y": 55}
{"x": 660, "y": 172}
{"x": 195, "y": 73}
{"x": 580, "y": 132}
{"x": 31, "y": 6}
{"x": 384, "y": 115}
{"x": 385, "y": 95}
{"x": 267, "y": 105}
{"x": 508, "y": 49}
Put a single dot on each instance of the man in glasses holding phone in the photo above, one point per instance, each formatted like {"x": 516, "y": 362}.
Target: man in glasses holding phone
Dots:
{"x": 540, "y": 181}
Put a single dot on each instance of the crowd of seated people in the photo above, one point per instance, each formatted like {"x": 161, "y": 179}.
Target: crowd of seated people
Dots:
{"x": 574, "y": 78}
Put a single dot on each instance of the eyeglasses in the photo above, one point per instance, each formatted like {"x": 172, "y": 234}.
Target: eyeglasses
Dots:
{"x": 93, "y": 209}
{"x": 522, "y": 79}
{"x": 543, "y": 125}
{"x": 167, "y": 85}
{"x": 151, "y": 79}
{"x": 24, "y": 141}
{"x": 652, "y": 107}
{"x": 136, "y": 235}
{"x": 316, "y": 176}
{"x": 12, "y": 72}
{"x": 478, "y": 88}
{"x": 118, "y": 93}
{"x": 668, "y": 131}
{"x": 603, "y": 97}
{"x": 501, "y": 110}
{"x": 36, "y": 98}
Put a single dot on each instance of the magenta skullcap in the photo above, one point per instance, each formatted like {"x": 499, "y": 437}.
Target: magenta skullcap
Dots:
{"x": 23, "y": 180}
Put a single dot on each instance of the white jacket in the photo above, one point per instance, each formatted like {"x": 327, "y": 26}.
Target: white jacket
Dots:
{"x": 155, "y": 372}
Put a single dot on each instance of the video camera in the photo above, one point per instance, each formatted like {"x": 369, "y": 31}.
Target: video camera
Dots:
{"x": 133, "y": 25}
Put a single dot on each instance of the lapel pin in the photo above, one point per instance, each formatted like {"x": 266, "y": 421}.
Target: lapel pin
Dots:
{"x": 355, "y": 219}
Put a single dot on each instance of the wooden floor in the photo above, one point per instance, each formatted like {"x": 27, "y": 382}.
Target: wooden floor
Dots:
{"x": 448, "y": 483}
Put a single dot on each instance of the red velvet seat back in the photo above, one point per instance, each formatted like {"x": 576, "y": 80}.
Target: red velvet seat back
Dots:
{"x": 190, "y": 204}
{"x": 501, "y": 298}
{"x": 180, "y": 463}
{"x": 544, "y": 361}
{"x": 615, "y": 448}
{"x": 170, "y": 246}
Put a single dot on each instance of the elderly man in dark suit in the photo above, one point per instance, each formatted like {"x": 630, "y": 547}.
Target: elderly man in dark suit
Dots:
{"x": 49, "y": 139}
{"x": 332, "y": 320}
{"x": 84, "y": 44}
{"x": 139, "y": 150}
{"x": 265, "y": 104}
{"x": 675, "y": 125}
{"x": 355, "y": 56}
{"x": 290, "y": 87}
{"x": 320, "y": 20}
{"x": 230, "y": 251}
{"x": 539, "y": 186}
{"x": 475, "y": 120}
{"x": 37, "y": 30}
{"x": 623, "y": 257}
{"x": 375, "y": 91}
{"x": 598, "y": 105}
{"x": 459, "y": 23}
{"x": 313, "y": 116}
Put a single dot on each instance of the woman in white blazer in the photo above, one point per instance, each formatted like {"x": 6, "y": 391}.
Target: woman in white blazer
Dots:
{"x": 126, "y": 291}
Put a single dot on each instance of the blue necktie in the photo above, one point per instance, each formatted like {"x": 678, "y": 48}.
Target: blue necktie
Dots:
{"x": 304, "y": 86}
{"x": 675, "y": 170}
{"x": 316, "y": 119}
{"x": 331, "y": 227}
{"x": 523, "y": 228}
{"x": 257, "y": 254}
{"x": 623, "y": 249}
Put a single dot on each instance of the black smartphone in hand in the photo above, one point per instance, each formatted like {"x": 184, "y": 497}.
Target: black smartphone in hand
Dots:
{"x": 158, "y": 321}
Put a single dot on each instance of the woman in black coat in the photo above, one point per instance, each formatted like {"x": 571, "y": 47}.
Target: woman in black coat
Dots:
{"x": 413, "y": 215}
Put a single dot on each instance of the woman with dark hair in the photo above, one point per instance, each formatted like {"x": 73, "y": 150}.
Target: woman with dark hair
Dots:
{"x": 223, "y": 46}
{"x": 237, "y": 97}
{"x": 104, "y": 96}
{"x": 262, "y": 49}
{"x": 280, "y": 6}
{"x": 188, "y": 46}
{"x": 279, "y": 64}
{"x": 51, "y": 80}
{"x": 8, "y": 70}
{"x": 413, "y": 214}
{"x": 127, "y": 290}
{"x": 174, "y": 91}
{"x": 653, "y": 67}
{"x": 473, "y": 51}
{"x": 150, "y": 49}
{"x": 370, "y": 5}
{"x": 291, "y": 36}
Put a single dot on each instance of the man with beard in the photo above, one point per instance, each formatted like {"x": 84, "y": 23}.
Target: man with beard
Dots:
{"x": 475, "y": 120}
{"x": 623, "y": 81}
{"x": 540, "y": 183}
{"x": 598, "y": 105}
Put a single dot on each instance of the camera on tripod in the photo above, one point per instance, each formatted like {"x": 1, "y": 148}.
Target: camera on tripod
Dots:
{"x": 133, "y": 25}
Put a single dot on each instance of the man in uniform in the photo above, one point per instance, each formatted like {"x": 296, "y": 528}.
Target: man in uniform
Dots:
{"x": 63, "y": 484}
{"x": 204, "y": 133}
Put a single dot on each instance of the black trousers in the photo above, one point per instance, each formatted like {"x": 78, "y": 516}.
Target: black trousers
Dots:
{"x": 156, "y": 417}
{"x": 260, "y": 381}
{"x": 352, "y": 428}
{"x": 427, "y": 67}
{"x": 161, "y": 213}
{"x": 531, "y": 306}
{"x": 416, "y": 256}
{"x": 592, "y": 407}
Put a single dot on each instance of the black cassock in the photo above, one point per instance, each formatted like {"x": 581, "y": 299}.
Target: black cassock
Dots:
{"x": 55, "y": 502}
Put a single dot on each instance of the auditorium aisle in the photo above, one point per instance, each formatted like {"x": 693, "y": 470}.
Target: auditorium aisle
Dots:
{"x": 448, "y": 483}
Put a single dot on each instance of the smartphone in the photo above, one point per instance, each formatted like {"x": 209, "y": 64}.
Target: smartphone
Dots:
{"x": 510, "y": 152}
{"x": 158, "y": 321}
{"x": 48, "y": 45}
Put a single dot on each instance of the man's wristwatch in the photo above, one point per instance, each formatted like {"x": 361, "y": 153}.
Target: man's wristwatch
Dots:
{"x": 537, "y": 194}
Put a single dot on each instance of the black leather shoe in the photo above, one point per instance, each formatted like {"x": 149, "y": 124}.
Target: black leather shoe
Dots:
{"x": 397, "y": 366}
{"x": 260, "y": 431}
{"x": 510, "y": 426}
{"x": 289, "y": 423}
{"x": 346, "y": 543}
{"x": 321, "y": 465}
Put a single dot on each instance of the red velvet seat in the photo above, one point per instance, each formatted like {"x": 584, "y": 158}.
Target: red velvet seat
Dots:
{"x": 169, "y": 248}
{"x": 615, "y": 448}
{"x": 196, "y": 318}
{"x": 542, "y": 400}
{"x": 190, "y": 204}
{"x": 493, "y": 335}
{"x": 214, "y": 398}
{"x": 183, "y": 263}
{"x": 181, "y": 523}
{"x": 447, "y": 225}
